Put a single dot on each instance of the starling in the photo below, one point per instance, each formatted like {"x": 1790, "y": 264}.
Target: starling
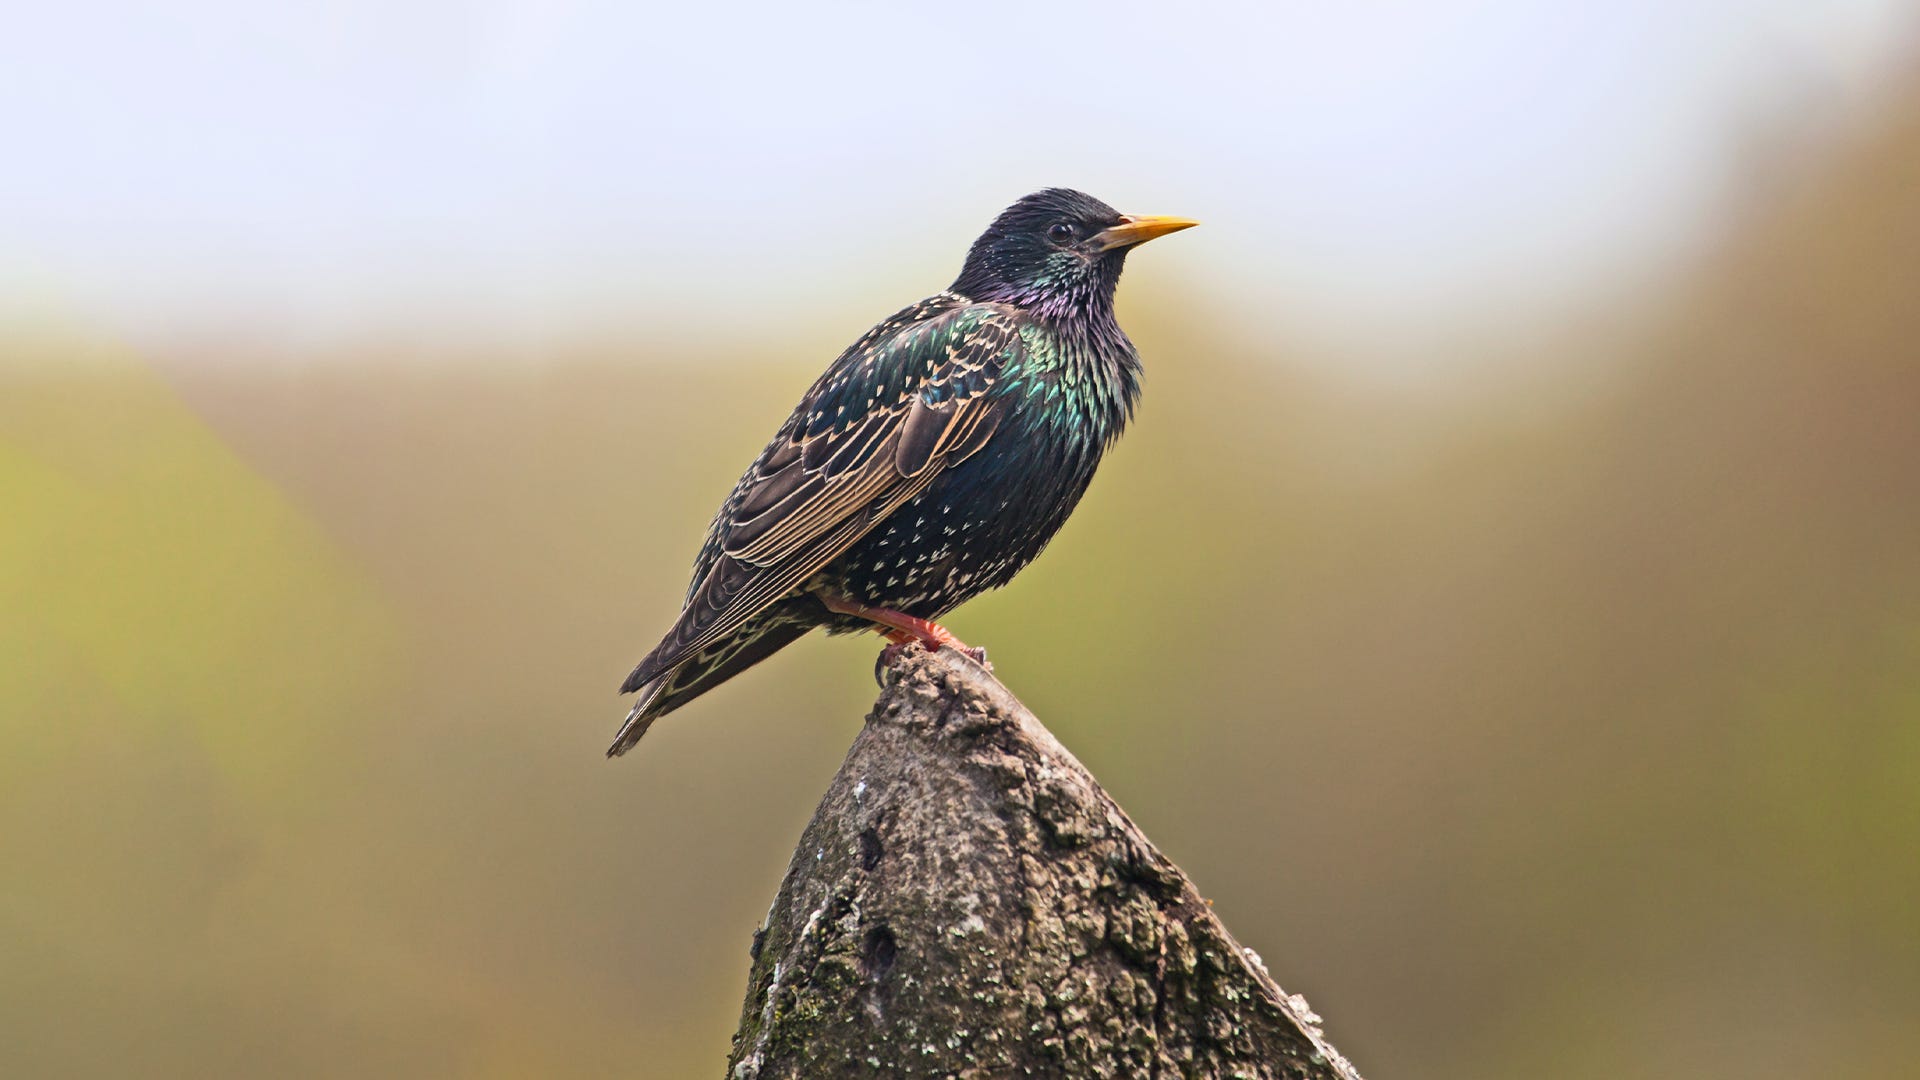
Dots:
{"x": 931, "y": 462}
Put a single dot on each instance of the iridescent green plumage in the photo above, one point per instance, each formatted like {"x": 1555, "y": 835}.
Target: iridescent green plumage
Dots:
{"x": 932, "y": 461}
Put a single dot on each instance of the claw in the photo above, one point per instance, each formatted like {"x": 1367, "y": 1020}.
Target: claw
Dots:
{"x": 885, "y": 660}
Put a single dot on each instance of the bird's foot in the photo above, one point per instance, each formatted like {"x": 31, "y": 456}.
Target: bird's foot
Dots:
{"x": 902, "y": 641}
{"x": 902, "y": 629}
{"x": 898, "y": 626}
{"x": 890, "y": 656}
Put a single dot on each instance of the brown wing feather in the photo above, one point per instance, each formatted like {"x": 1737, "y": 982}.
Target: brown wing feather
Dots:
{"x": 919, "y": 402}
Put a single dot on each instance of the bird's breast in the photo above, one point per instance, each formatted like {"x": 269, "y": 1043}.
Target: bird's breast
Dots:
{"x": 981, "y": 521}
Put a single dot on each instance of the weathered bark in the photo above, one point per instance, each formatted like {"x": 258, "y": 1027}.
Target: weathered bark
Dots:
{"x": 967, "y": 902}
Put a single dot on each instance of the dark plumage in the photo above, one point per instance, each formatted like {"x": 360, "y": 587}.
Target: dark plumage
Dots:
{"x": 934, "y": 459}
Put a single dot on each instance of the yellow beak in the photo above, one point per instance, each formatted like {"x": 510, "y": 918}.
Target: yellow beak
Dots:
{"x": 1138, "y": 229}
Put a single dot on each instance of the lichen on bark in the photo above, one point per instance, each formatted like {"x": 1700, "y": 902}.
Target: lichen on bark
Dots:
{"x": 967, "y": 902}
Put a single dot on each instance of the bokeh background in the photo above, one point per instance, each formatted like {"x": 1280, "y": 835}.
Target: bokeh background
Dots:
{"x": 1506, "y": 608}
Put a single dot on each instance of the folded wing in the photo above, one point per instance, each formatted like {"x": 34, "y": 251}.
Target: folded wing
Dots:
{"x": 881, "y": 424}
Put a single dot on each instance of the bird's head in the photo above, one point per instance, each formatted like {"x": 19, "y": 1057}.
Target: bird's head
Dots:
{"x": 1056, "y": 252}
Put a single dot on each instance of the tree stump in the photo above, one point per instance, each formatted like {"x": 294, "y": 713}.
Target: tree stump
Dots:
{"x": 967, "y": 902}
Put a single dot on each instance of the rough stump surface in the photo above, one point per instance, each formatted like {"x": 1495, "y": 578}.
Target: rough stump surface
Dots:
{"x": 967, "y": 902}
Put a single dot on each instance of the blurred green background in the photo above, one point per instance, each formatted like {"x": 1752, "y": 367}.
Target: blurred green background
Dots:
{"x": 1506, "y": 608}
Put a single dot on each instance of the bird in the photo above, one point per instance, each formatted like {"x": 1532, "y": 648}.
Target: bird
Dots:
{"x": 931, "y": 462}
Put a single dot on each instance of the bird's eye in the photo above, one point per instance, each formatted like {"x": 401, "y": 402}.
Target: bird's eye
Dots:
{"x": 1060, "y": 232}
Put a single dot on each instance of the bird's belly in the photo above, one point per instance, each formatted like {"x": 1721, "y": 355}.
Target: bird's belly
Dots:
{"x": 971, "y": 530}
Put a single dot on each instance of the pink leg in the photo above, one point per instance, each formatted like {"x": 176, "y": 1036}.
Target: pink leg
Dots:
{"x": 901, "y": 628}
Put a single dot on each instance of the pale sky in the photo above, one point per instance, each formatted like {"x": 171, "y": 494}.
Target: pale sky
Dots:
{"x": 529, "y": 171}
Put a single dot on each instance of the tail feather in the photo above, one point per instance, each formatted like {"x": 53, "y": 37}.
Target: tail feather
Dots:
{"x": 702, "y": 672}
{"x": 638, "y": 718}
